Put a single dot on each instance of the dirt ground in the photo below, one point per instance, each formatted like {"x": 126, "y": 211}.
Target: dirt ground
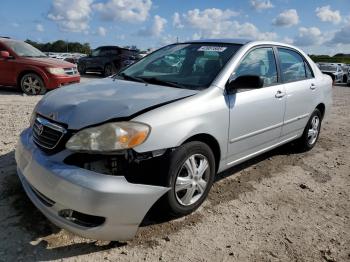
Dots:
{"x": 281, "y": 206}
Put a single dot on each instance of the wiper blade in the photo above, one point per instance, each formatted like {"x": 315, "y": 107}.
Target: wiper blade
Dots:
{"x": 164, "y": 82}
{"x": 132, "y": 78}
{"x": 35, "y": 56}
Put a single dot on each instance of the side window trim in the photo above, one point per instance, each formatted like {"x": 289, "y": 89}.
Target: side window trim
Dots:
{"x": 278, "y": 65}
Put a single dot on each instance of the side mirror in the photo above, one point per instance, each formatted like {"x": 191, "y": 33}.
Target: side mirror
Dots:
{"x": 4, "y": 54}
{"x": 245, "y": 82}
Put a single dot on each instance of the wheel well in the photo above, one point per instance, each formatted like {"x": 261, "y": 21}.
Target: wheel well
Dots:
{"x": 322, "y": 108}
{"x": 211, "y": 142}
{"x": 24, "y": 73}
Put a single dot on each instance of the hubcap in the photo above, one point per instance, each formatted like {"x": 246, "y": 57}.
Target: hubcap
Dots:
{"x": 31, "y": 85}
{"x": 313, "y": 130}
{"x": 192, "y": 180}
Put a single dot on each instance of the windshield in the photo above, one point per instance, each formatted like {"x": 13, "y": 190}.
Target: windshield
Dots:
{"x": 328, "y": 67}
{"x": 191, "y": 66}
{"x": 24, "y": 49}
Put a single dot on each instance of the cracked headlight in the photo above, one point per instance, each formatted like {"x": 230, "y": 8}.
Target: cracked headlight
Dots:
{"x": 109, "y": 137}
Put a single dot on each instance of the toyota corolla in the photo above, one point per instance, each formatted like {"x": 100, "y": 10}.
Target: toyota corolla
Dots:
{"x": 99, "y": 155}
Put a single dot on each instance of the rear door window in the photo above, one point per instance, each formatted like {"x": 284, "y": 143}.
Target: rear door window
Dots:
{"x": 292, "y": 66}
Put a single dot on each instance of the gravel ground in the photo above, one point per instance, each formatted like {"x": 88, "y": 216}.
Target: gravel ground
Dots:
{"x": 281, "y": 206}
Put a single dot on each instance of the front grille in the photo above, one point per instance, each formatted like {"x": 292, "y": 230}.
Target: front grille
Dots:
{"x": 46, "y": 134}
{"x": 71, "y": 71}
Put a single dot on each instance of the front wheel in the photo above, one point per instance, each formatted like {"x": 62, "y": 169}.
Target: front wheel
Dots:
{"x": 311, "y": 131}
{"x": 82, "y": 68}
{"x": 190, "y": 177}
{"x": 32, "y": 84}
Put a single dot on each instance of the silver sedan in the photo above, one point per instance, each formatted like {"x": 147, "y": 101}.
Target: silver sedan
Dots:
{"x": 97, "y": 156}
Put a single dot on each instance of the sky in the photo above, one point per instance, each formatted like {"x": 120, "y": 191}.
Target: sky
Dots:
{"x": 316, "y": 26}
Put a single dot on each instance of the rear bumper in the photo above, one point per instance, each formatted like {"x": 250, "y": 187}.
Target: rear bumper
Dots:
{"x": 57, "y": 81}
{"x": 122, "y": 205}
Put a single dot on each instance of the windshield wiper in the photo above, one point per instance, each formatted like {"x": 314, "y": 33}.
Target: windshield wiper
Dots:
{"x": 162, "y": 82}
{"x": 132, "y": 78}
{"x": 35, "y": 56}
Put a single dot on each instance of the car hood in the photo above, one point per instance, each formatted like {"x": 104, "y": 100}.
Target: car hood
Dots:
{"x": 102, "y": 100}
{"x": 49, "y": 62}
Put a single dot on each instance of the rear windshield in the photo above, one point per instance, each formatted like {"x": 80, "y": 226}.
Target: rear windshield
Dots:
{"x": 188, "y": 65}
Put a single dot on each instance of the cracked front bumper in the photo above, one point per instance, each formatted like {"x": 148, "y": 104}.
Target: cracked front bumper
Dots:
{"x": 123, "y": 205}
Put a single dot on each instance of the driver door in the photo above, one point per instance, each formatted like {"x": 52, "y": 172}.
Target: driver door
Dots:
{"x": 7, "y": 69}
{"x": 256, "y": 115}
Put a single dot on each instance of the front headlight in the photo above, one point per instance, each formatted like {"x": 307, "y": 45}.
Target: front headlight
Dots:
{"x": 55, "y": 71}
{"x": 109, "y": 137}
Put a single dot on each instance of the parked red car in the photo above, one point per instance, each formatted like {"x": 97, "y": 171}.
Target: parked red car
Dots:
{"x": 25, "y": 66}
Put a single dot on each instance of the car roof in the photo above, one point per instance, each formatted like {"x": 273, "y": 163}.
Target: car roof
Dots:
{"x": 242, "y": 41}
{"x": 115, "y": 47}
{"x": 239, "y": 41}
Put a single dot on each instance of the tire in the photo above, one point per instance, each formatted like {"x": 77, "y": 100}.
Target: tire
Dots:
{"x": 311, "y": 132}
{"x": 32, "y": 84}
{"x": 178, "y": 201}
{"x": 108, "y": 70}
{"x": 82, "y": 69}
{"x": 345, "y": 79}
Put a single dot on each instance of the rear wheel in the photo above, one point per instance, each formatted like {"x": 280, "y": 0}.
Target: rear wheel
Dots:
{"x": 190, "y": 177}
{"x": 32, "y": 84}
{"x": 108, "y": 70}
{"x": 311, "y": 131}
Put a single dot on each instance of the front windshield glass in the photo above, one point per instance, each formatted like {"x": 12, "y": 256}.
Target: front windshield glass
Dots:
{"x": 328, "y": 68}
{"x": 191, "y": 66}
{"x": 24, "y": 49}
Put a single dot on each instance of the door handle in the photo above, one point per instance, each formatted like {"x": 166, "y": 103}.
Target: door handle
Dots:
{"x": 312, "y": 86}
{"x": 279, "y": 94}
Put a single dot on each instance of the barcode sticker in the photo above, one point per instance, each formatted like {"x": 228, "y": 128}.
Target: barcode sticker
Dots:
{"x": 212, "y": 48}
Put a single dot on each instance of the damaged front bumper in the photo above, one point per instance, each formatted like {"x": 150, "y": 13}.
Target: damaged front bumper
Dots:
{"x": 87, "y": 203}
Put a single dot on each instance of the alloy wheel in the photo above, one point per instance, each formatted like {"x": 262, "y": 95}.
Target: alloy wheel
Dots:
{"x": 192, "y": 179}
{"x": 313, "y": 130}
{"x": 31, "y": 84}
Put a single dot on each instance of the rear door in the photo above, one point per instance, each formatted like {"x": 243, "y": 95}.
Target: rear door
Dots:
{"x": 256, "y": 115}
{"x": 301, "y": 89}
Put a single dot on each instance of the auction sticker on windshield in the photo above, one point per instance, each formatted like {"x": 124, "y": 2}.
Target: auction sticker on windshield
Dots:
{"x": 212, "y": 48}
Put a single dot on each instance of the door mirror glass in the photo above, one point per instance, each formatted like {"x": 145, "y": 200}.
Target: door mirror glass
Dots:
{"x": 4, "y": 54}
{"x": 245, "y": 82}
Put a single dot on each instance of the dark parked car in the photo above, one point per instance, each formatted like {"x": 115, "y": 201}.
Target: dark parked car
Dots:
{"x": 107, "y": 60}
